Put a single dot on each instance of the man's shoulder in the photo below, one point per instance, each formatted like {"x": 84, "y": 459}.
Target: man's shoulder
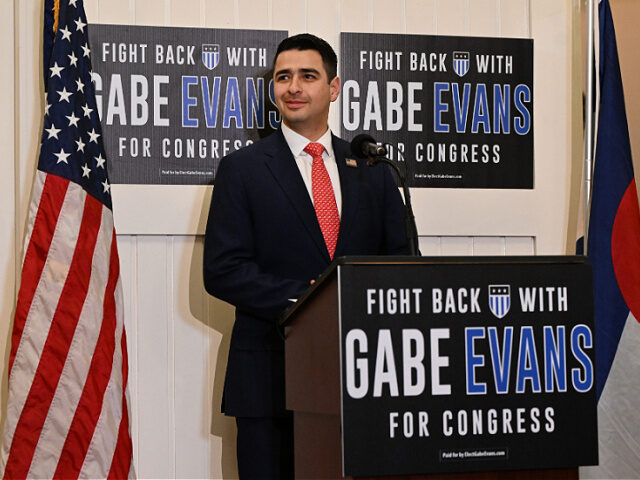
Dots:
{"x": 340, "y": 143}
{"x": 248, "y": 154}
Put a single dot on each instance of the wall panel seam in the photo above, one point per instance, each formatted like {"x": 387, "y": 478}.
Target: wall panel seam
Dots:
{"x": 171, "y": 341}
{"x": 404, "y": 16}
{"x": 136, "y": 323}
{"x": 17, "y": 264}
{"x": 305, "y": 12}
{"x": 435, "y": 17}
{"x": 371, "y": 19}
{"x": 208, "y": 368}
{"x": 338, "y": 28}
{"x": 529, "y": 19}
{"x": 467, "y": 17}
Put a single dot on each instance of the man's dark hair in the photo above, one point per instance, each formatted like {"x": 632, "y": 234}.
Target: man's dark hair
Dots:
{"x": 306, "y": 41}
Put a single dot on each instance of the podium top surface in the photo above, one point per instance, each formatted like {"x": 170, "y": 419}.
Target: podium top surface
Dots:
{"x": 408, "y": 260}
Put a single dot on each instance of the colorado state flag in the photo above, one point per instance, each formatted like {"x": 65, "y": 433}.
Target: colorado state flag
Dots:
{"x": 613, "y": 247}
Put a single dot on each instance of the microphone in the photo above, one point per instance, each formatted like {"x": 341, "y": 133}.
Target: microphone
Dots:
{"x": 364, "y": 145}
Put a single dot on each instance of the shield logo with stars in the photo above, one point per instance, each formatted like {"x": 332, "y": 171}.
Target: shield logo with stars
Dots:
{"x": 499, "y": 300}
{"x": 210, "y": 55}
{"x": 461, "y": 63}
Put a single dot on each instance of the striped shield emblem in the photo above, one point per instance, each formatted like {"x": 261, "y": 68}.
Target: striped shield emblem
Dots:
{"x": 210, "y": 55}
{"x": 499, "y": 299}
{"x": 461, "y": 63}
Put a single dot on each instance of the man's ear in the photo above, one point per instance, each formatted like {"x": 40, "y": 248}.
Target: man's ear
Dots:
{"x": 334, "y": 88}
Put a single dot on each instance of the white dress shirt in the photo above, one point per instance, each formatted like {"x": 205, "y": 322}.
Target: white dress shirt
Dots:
{"x": 297, "y": 143}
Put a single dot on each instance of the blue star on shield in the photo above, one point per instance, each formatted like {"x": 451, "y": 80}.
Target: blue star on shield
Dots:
{"x": 499, "y": 300}
{"x": 461, "y": 63}
{"x": 210, "y": 55}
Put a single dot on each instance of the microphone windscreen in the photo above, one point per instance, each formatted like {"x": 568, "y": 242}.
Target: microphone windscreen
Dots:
{"x": 359, "y": 142}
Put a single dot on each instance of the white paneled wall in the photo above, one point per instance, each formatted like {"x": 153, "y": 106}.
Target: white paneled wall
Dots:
{"x": 178, "y": 340}
{"x": 178, "y": 335}
{"x": 478, "y": 246}
{"x": 8, "y": 235}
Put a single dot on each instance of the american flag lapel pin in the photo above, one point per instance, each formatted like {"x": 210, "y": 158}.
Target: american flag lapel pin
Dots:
{"x": 351, "y": 162}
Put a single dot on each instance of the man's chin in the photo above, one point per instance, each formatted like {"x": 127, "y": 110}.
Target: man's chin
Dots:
{"x": 294, "y": 120}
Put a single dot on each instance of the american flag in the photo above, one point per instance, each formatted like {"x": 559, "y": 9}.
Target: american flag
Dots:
{"x": 67, "y": 413}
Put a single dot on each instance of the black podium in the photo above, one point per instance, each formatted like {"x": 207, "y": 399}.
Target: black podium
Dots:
{"x": 444, "y": 367}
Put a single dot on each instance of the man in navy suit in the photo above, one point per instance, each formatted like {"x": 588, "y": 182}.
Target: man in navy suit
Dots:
{"x": 282, "y": 208}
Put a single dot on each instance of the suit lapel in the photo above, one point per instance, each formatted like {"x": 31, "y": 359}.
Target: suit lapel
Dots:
{"x": 349, "y": 187}
{"x": 279, "y": 160}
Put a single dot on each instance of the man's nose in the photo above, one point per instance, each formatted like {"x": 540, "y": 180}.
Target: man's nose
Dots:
{"x": 294, "y": 84}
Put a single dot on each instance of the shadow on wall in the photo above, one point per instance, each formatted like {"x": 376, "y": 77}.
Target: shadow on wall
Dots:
{"x": 221, "y": 316}
{"x": 218, "y": 317}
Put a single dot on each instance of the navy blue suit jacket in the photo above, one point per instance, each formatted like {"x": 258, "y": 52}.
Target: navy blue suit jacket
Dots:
{"x": 263, "y": 245}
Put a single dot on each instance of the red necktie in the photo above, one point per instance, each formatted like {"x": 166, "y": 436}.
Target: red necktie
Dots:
{"x": 324, "y": 199}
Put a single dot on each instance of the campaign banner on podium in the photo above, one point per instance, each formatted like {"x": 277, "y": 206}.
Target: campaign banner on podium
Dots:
{"x": 174, "y": 101}
{"x": 456, "y": 111}
{"x": 475, "y": 366}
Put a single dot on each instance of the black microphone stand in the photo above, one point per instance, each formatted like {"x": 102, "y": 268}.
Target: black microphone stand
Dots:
{"x": 409, "y": 218}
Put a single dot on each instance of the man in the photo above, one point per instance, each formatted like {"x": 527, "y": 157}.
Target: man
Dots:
{"x": 282, "y": 208}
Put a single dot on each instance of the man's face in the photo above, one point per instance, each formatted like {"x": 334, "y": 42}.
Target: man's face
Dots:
{"x": 303, "y": 91}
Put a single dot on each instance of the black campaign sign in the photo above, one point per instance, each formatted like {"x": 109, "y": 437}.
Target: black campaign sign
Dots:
{"x": 457, "y": 367}
{"x": 457, "y": 111}
{"x": 174, "y": 101}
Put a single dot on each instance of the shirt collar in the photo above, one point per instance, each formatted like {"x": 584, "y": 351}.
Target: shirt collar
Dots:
{"x": 297, "y": 142}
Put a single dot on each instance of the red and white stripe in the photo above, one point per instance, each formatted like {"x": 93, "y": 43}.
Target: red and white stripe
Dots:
{"x": 67, "y": 414}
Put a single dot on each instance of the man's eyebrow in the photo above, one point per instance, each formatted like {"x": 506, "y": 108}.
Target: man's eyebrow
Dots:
{"x": 302, "y": 70}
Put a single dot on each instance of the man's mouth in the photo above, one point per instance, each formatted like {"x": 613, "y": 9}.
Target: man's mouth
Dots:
{"x": 294, "y": 103}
